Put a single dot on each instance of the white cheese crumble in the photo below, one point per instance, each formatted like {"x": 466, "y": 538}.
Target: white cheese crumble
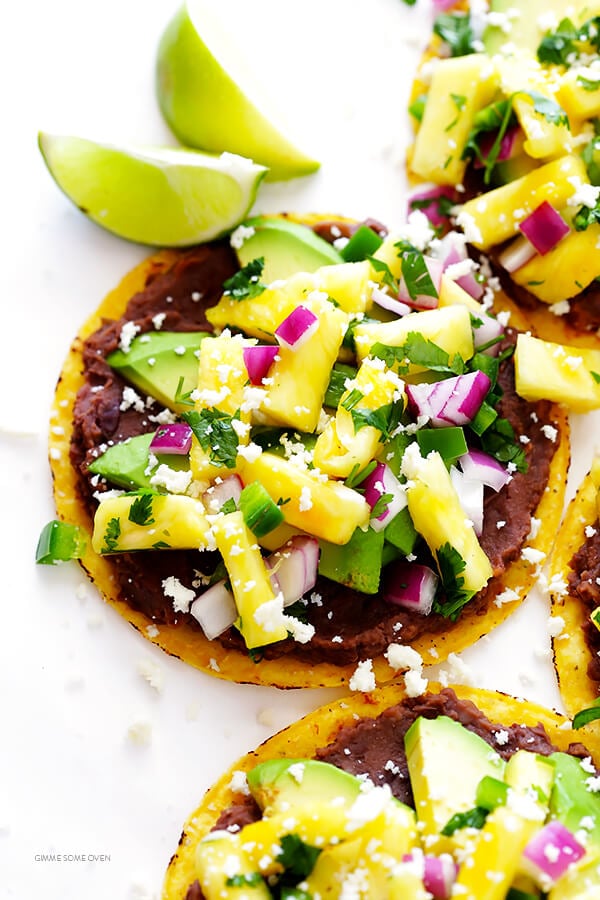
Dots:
{"x": 140, "y": 732}
{"x": 239, "y": 783}
{"x": 152, "y": 672}
{"x": 240, "y": 235}
{"x": 414, "y": 683}
{"x": 470, "y": 228}
{"x": 400, "y": 656}
{"x": 585, "y": 194}
{"x": 363, "y": 677}
{"x": 555, "y": 625}
{"x": 128, "y": 332}
{"x": 181, "y": 595}
{"x": 305, "y": 502}
{"x": 508, "y": 595}
{"x": 158, "y": 320}
{"x": 173, "y": 480}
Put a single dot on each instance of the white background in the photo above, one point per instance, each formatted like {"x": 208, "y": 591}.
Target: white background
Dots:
{"x": 71, "y": 780}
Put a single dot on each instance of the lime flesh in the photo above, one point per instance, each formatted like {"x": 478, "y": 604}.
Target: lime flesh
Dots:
{"x": 165, "y": 197}
{"x": 197, "y": 82}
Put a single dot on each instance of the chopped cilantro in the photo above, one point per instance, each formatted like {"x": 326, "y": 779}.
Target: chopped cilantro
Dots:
{"x": 256, "y": 654}
{"x": 140, "y": 511}
{"x": 229, "y": 506}
{"x": 459, "y": 100}
{"x": 557, "y": 46}
{"x": 547, "y": 108}
{"x": 388, "y": 279}
{"x": 472, "y": 818}
{"x": 442, "y": 204}
{"x": 455, "y": 30}
{"x": 357, "y": 474}
{"x": 297, "y": 858}
{"x": 588, "y": 84}
{"x": 586, "y": 216}
{"x": 246, "y": 283}
{"x": 385, "y": 419}
{"x": 215, "y": 433}
{"x": 590, "y": 155}
{"x": 499, "y": 441}
{"x": 595, "y": 376}
{"x": 250, "y": 879}
{"x": 111, "y": 535}
{"x": 161, "y": 545}
{"x": 417, "y": 107}
{"x": 294, "y": 893}
{"x": 415, "y": 273}
{"x": 181, "y": 397}
{"x": 381, "y": 505}
{"x": 409, "y": 2}
{"x": 354, "y": 397}
{"x": 420, "y": 351}
{"x": 584, "y": 716}
{"x": 451, "y": 564}
{"x": 497, "y": 117}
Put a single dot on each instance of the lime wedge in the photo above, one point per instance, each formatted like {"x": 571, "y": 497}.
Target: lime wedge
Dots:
{"x": 199, "y": 77}
{"x": 167, "y": 197}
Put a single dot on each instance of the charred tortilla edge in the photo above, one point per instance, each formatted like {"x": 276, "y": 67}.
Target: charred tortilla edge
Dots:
{"x": 189, "y": 644}
{"x": 319, "y": 728}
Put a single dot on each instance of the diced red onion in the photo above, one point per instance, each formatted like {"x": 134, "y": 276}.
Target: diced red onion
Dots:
{"x": 508, "y": 144}
{"x": 377, "y": 483}
{"x": 295, "y": 567}
{"x": 519, "y": 252}
{"x": 451, "y": 252}
{"x": 480, "y": 466}
{"x": 550, "y": 852}
{"x": 381, "y": 298}
{"x": 410, "y": 585}
{"x": 218, "y": 493}
{"x": 438, "y": 873}
{"x": 544, "y": 228}
{"x": 489, "y": 330}
{"x": 215, "y": 610}
{"x": 432, "y": 209}
{"x": 297, "y": 327}
{"x": 424, "y": 301}
{"x": 453, "y": 401}
{"x": 258, "y": 360}
{"x": 175, "y": 438}
{"x": 470, "y": 494}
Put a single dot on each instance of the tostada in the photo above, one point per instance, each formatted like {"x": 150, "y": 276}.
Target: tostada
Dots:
{"x": 456, "y": 793}
{"x": 301, "y": 457}
{"x": 506, "y": 109}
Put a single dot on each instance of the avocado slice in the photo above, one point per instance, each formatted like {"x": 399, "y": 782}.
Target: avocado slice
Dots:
{"x": 287, "y": 247}
{"x": 279, "y": 785}
{"x": 157, "y": 361}
{"x": 571, "y": 800}
{"x": 124, "y": 464}
{"x": 446, "y": 762}
{"x": 356, "y": 564}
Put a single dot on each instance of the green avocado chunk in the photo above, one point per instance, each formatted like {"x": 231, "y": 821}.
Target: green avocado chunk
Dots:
{"x": 163, "y": 364}
{"x": 125, "y": 464}
{"x": 572, "y": 801}
{"x": 286, "y": 247}
{"x": 278, "y": 785}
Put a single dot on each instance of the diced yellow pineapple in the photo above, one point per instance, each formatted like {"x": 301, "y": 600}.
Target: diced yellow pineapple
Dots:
{"x": 348, "y": 284}
{"x": 340, "y": 447}
{"x": 579, "y": 881}
{"x": 387, "y": 253}
{"x": 561, "y": 373}
{"x": 169, "y": 521}
{"x": 395, "y": 830}
{"x": 300, "y": 376}
{"x": 452, "y": 293}
{"x": 489, "y": 871}
{"x": 495, "y": 216}
{"x": 435, "y": 509}
{"x": 565, "y": 270}
{"x": 222, "y": 377}
{"x": 220, "y": 858}
{"x": 278, "y": 536}
{"x": 576, "y": 100}
{"x": 518, "y": 75}
{"x": 404, "y": 884}
{"x": 250, "y": 581}
{"x": 332, "y": 869}
{"x": 314, "y": 823}
{"x": 259, "y": 316}
{"x": 326, "y": 509}
{"x": 449, "y": 328}
{"x": 460, "y": 87}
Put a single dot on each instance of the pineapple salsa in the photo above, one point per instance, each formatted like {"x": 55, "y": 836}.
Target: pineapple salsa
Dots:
{"x": 326, "y": 464}
{"x": 506, "y": 106}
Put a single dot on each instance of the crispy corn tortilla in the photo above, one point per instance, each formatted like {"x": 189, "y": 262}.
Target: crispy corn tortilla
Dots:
{"x": 188, "y": 643}
{"x": 303, "y": 738}
{"x": 571, "y": 652}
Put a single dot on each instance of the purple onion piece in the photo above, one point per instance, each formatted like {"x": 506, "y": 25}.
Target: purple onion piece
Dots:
{"x": 172, "y": 439}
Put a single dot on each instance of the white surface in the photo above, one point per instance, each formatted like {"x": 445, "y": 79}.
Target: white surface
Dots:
{"x": 71, "y": 781}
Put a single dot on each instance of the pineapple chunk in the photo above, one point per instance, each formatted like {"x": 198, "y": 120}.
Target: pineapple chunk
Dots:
{"x": 314, "y": 823}
{"x": 340, "y": 447}
{"x": 218, "y": 859}
{"x": 405, "y": 885}
{"x": 349, "y": 284}
{"x": 447, "y": 121}
{"x": 222, "y": 377}
{"x": 578, "y": 102}
{"x": 435, "y": 509}
{"x": 325, "y": 509}
{"x": 566, "y": 270}
{"x": 580, "y": 881}
{"x": 250, "y": 581}
{"x": 452, "y": 293}
{"x": 300, "y": 376}
{"x": 492, "y": 866}
{"x": 495, "y": 217}
{"x": 172, "y": 521}
{"x": 387, "y": 253}
{"x": 563, "y": 374}
{"x": 449, "y": 328}
{"x": 259, "y": 316}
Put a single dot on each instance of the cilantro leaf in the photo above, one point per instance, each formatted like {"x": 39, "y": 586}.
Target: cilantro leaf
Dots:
{"x": 246, "y": 283}
{"x": 357, "y": 474}
{"x": 556, "y": 46}
{"x": 472, "y": 818}
{"x": 250, "y": 879}
{"x": 455, "y": 30}
{"x": 111, "y": 535}
{"x": 499, "y": 441}
{"x": 450, "y": 565}
{"x": 381, "y": 505}
{"x": 548, "y": 108}
{"x": 388, "y": 279}
{"x": 497, "y": 117}
{"x": 420, "y": 351}
{"x": 229, "y": 506}
{"x": 595, "y": 376}
{"x": 584, "y": 716}
{"x": 297, "y": 858}
{"x": 140, "y": 511}
{"x": 215, "y": 433}
{"x": 586, "y": 216}
{"x": 415, "y": 273}
{"x": 588, "y": 84}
